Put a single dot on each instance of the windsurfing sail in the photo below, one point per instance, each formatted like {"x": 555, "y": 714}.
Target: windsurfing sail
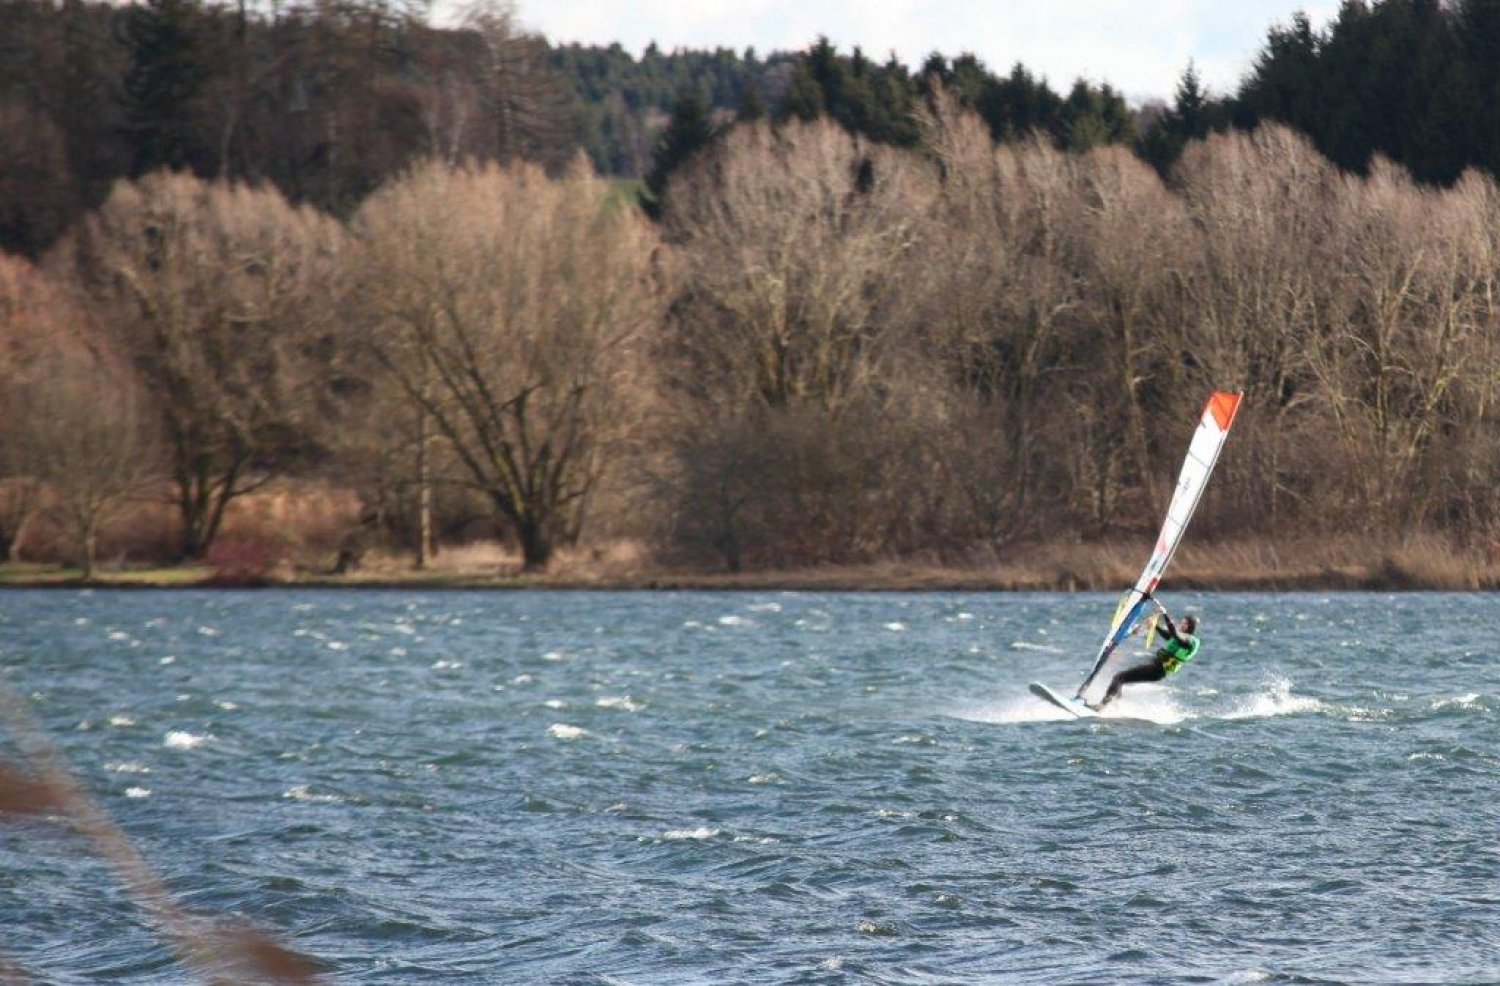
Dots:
{"x": 1203, "y": 452}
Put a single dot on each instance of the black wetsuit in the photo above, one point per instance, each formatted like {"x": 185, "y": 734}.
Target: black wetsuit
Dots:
{"x": 1166, "y": 660}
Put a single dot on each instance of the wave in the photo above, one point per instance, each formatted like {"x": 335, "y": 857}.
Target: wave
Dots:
{"x": 1275, "y": 699}
{"x": 1161, "y": 704}
{"x": 180, "y": 740}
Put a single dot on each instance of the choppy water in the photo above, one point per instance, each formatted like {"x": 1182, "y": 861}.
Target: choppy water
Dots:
{"x": 768, "y": 788}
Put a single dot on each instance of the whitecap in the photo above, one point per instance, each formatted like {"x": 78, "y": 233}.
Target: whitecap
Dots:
{"x": 1153, "y": 703}
{"x": 447, "y": 665}
{"x": 1017, "y": 710}
{"x": 207, "y": 632}
{"x": 555, "y": 703}
{"x": 227, "y": 706}
{"x": 700, "y": 834}
{"x": 896, "y": 626}
{"x": 1469, "y": 700}
{"x": 554, "y": 655}
{"x": 118, "y": 635}
{"x": 121, "y": 721}
{"x": 769, "y": 778}
{"x": 127, "y": 767}
{"x": 180, "y": 740}
{"x": 624, "y": 702}
{"x": 137, "y": 792}
{"x": 765, "y": 608}
{"x": 169, "y": 659}
{"x": 337, "y": 645}
{"x": 563, "y": 731}
{"x": 1276, "y": 699}
{"x": 1028, "y": 645}
{"x": 302, "y": 792}
{"x": 733, "y": 621}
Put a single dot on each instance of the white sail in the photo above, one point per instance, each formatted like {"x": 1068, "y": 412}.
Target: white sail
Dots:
{"x": 1203, "y": 452}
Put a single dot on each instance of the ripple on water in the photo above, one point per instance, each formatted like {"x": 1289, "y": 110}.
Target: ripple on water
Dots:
{"x": 773, "y": 787}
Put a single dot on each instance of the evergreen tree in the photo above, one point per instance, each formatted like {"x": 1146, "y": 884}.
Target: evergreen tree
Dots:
{"x": 1285, "y": 83}
{"x": 1192, "y": 116}
{"x": 688, "y": 131}
{"x": 751, "y": 107}
{"x": 1478, "y": 28}
{"x": 804, "y": 97}
{"x": 162, "y": 85}
{"x": 1190, "y": 111}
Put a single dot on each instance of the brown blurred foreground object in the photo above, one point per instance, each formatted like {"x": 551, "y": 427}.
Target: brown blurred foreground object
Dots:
{"x": 216, "y": 950}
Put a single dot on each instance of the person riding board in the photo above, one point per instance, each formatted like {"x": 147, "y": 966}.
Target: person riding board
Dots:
{"x": 1179, "y": 646}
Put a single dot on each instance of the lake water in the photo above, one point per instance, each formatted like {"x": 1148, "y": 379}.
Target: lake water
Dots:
{"x": 537, "y": 787}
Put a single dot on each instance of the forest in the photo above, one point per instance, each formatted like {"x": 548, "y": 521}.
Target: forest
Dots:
{"x": 850, "y": 312}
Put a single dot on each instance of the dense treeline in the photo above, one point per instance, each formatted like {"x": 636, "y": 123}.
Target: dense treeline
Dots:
{"x": 867, "y": 313}
{"x": 328, "y": 101}
{"x": 828, "y": 349}
{"x": 1415, "y": 81}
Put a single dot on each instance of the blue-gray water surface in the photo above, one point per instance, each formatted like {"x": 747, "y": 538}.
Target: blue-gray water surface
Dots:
{"x": 539, "y": 787}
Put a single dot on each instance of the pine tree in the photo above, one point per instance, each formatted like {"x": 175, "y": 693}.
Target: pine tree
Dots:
{"x": 688, "y": 132}
{"x": 751, "y": 107}
{"x": 163, "y": 84}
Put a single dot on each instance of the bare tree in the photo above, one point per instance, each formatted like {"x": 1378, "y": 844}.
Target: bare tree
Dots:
{"x": 41, "y": 330}
{"x": 1128, "y": 235}
{"x": 216, "y": 294}
{"x": 510, "y": 308}
{"x": 792, "y": 241}
{"x": 1004, "y": 303}
{"x": 100, "y": 449}
{"x": 526, "y": 105}
{"x": 795, "y": 319}
{"x": 21, "y": 308}
{"x": 1395, "y": 351}
{"x": 1261, "y": 205}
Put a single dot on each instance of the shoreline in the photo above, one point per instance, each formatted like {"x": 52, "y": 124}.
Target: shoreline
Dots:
{"x": 1378, "y": 577}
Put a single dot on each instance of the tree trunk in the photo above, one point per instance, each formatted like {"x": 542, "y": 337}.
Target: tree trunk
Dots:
{"x": 536, "y": 546}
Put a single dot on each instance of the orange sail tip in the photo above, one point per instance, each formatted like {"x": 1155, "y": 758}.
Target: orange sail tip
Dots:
{"x": 1222, "y": 406}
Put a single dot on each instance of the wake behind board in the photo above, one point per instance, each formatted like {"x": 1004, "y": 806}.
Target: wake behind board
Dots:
{"x": 1071, "y": 706}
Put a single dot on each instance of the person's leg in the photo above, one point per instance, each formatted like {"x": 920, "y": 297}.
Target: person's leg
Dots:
{"x": 1150, "y": 671}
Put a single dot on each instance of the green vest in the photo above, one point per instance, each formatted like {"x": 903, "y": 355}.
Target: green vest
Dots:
{"x": 1174, "y": 653}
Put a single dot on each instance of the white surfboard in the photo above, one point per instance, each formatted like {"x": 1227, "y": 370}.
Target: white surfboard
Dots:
{"x": 1072, "y": 706}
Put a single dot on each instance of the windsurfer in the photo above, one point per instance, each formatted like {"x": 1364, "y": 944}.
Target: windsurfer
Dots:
{"x": 1179, "y": 646}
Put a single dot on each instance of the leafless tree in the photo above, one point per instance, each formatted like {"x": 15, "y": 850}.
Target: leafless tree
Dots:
{"x": 1004, "y": 304}
{"x": 794, "y": 319}
{"x": 217, "y": 295}
{"x": 511, "y": 308}
{"x": 33, "y": 324}
{"x": 525, "y": 103}
{"x": 100, "y": 451}
{"x": 1261, "y": 209}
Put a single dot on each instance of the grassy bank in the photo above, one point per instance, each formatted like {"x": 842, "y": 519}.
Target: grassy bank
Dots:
{"x": 1331, "y": 564}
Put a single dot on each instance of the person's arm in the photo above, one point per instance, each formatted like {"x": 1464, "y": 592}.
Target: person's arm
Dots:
{"x": 1171, "y": 628}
